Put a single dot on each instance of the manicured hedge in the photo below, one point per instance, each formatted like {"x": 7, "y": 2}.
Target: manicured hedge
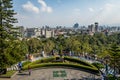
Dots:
{"x": 91, "y": 69}
{"x": 51, "y": 59}
{"x": 78, "y": 61}
{"x": 26, "y": 63}
{"x": 44, "y": 60}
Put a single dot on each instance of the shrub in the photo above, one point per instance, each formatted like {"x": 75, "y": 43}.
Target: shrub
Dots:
{"x": 44, "y": 60}
{"x": 77, "y": 61}
{"x": 111, "y": 77}
{"x": 98, "y": 65}
{"x": 91, "y": 69}
{"x": 46, "y": 63}
{"x": 25, "y": 63}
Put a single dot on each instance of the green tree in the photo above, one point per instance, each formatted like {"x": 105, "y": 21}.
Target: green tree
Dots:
{"x": 49, "y": 46}
{"x": 112, "y": 57}
{"x": 6, "y": 21}
{"x": 114, "y": 53}
{"x": 33, "y": 45}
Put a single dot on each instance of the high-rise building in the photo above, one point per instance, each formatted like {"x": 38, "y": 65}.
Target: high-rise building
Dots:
{"x": 76, "y": 25}
{"x": 33, "y": 32}
{"x": 91, "y": 28}
{"x": 49, "y": 33}
{"x": 43, "y": 31}
{"x": 96, "y": 27}
{"x": 30, "y": 32}
{"x": 37, "y": 32}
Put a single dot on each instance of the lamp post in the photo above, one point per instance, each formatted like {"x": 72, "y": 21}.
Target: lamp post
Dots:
{"x": 106, "y": 67}
{"x": 114, "y": 67}
{"x": 30, "y": 49}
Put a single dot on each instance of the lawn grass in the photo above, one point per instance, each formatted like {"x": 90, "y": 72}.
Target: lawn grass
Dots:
{"x": 8, "y": 74}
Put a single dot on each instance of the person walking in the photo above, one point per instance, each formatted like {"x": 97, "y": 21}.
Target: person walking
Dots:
{"x": 29, "y": 70}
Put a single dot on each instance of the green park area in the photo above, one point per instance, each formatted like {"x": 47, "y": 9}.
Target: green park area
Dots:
{"x": 14, "y": 48}
{"x": 9, "y": 74}
{"x": 59, "y": 62}
{"x": 56, "y": 62}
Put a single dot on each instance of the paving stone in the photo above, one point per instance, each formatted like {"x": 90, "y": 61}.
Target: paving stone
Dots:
{"x": 47, "y": 74}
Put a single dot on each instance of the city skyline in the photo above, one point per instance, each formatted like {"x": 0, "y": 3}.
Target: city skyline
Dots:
{"x": 37, "y": 13}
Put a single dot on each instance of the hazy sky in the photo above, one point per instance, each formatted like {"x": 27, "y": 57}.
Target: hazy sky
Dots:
{"x": 37, "y": 13}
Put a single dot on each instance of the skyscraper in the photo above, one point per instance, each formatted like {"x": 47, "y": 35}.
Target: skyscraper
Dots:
{"x": 91, "y": 28}
{"x": 76, "y": 25}
{"x": 96, "y": 27}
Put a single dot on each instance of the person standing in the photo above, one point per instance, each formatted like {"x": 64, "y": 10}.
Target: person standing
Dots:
{"x": 20, "y": 66}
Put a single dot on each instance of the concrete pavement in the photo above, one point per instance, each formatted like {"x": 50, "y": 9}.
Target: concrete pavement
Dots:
{"x": 47, "y": 74}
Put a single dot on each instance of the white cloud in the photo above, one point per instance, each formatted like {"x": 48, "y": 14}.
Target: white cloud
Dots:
{"x": 44, "y": 7}
{"x": 91, "y": 9}
{"x": 49, "y": 9}
{"x": 42, "y": 2}
{"x": 30, "y": 7}
{"x": 108, "y": 14}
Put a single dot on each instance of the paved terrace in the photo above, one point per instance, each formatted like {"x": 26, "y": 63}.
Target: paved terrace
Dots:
{"x": 53, "y": 74}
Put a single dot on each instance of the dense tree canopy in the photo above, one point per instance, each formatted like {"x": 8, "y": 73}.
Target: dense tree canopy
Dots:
{"x": 96, "y": 44}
